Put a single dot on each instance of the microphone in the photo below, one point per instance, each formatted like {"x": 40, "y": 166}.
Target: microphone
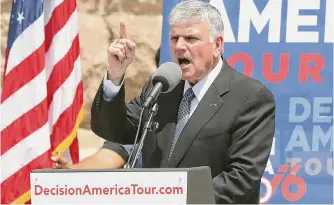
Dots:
{"x": 167, "y": 76}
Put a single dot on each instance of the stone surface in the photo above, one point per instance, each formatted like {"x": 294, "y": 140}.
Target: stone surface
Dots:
{"x": 94, "y": 46}
{"x": 94, "y": 38}
{"x": 5, "y": 16}
{"x": 137, "y": 7}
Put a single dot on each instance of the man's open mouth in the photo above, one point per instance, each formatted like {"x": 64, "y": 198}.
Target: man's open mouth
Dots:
{"x": 183, "y": 62}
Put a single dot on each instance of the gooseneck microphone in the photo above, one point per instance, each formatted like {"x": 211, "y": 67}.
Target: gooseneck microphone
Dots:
{"x": 167, "y": 76}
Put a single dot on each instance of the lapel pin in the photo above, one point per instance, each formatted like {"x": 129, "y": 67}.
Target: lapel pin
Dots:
{"x": 213, "y": 105}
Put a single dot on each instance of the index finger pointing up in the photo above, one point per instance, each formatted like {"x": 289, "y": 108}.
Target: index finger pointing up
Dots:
{"x": 122, "y": 31}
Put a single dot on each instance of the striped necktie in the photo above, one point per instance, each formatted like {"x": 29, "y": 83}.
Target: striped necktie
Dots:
{"x": 182, "y": 118}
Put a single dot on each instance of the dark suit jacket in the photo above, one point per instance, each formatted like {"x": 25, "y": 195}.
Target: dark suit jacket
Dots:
{"x": 233, "y": 136}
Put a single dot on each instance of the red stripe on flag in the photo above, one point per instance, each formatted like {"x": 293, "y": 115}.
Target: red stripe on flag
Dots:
{"x": 60, "y": 16}
{"x": 74, "y": 150}
{"x": 67, "y": 120}
{"x": 19, "y": 183}
{"x": 63, "y": 69}
{"x": 24, "y": 72}
{"x": 22, "y": 127}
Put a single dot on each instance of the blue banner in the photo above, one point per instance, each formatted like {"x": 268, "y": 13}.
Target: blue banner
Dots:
{"x": 287, "y": 45}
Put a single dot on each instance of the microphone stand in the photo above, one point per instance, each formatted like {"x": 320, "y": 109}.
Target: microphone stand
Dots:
{"x": 148, "y": 126}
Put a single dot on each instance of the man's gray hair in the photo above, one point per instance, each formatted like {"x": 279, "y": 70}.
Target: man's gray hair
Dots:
{"x": 197, "y": 10}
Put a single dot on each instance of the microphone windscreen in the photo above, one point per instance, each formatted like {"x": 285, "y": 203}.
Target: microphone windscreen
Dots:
{"x": 169, "y": 74}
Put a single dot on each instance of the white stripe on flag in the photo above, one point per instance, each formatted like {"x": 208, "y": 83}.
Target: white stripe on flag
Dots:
{"x": 48, "y": 9}
{"x": 61, "y": 43}
{"x": 27, "y": 43}
{"x": 23, "y": 100}
{"x": 65, "y": 95}
{"x": 25, "y": 151}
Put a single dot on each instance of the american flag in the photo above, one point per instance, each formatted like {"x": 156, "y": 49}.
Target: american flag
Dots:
{"x": 42, "y": 96}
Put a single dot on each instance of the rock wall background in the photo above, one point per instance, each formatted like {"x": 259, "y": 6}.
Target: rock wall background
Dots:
{"x": 98, "y": 26}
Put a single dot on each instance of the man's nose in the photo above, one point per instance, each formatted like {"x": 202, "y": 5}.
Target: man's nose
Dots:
{"x": 180, "y": 44}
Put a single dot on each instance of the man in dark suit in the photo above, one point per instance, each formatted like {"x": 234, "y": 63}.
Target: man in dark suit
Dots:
{"x": 214, "y": 117}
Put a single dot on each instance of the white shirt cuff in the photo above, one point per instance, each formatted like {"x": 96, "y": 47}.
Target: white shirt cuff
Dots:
{"x": 109, "y": 89}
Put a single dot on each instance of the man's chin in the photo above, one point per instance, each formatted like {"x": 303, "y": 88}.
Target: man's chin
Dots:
{"x": 186, "y": 76}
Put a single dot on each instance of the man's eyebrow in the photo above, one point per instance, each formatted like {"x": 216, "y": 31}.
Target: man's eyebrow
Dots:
{"x": 187, "y": 34}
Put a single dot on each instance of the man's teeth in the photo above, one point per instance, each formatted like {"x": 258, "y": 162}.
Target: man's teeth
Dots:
{"x": 184, "y": 64}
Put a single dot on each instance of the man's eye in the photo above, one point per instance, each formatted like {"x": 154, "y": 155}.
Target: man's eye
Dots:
{"x": 191, "y": 38}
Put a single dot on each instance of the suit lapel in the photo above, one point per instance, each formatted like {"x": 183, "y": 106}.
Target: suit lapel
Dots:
{"x": 207, "y": 107}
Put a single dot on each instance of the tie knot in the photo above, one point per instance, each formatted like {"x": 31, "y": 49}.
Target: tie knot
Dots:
{"x": 189, "y": 95}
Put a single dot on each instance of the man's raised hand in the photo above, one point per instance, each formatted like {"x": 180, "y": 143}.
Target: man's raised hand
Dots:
{"x": 120, "y": 55}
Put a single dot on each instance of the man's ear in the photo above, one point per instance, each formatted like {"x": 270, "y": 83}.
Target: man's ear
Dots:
{"x": 219, "y": 43}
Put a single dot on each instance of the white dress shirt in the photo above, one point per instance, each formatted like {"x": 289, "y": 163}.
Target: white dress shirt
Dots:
{"x": 110, "y": 90}
{"x": 202, "y": 86}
